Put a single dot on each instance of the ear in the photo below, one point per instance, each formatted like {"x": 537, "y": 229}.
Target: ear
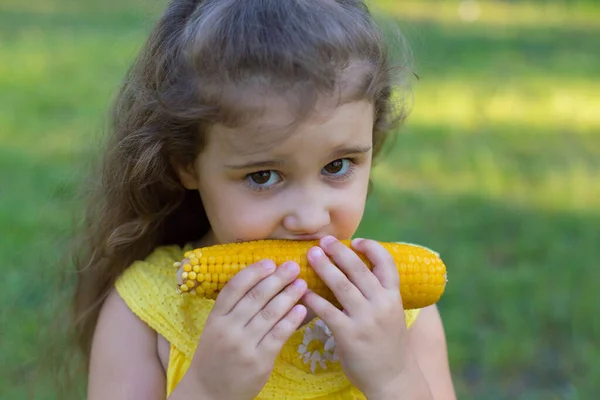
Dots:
{"x": 187, "y": 175}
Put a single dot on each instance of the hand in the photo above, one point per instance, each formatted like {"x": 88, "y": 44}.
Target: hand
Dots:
{"x": 253, "y": 316}
{"x": 370, "y": 332}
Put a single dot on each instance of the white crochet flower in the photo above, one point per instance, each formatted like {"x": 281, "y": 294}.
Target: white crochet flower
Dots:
{"x": 318, "y": 346}
{"x": 330, "y": 349}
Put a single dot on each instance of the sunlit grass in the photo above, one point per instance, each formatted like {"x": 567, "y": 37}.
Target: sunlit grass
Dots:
{"x": 115, "y": 8}
{"x": 538, "y": 105}
{"x": 496, "y": 13}
{"x": 489, "y": 176}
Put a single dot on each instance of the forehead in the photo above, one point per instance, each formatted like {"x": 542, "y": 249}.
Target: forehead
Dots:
{"x": 278, "y": 131}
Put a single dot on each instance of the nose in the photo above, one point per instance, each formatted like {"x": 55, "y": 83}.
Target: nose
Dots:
{"x": 308, "y": 215}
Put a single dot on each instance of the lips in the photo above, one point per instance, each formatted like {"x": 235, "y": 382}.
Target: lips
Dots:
{"x": 309, "y": 237}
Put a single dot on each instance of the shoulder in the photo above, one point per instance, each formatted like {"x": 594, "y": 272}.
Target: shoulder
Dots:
{"x": 115, "y": 315}
{"x": 148, "y": 281}
{"x": 157, "y": 265}
{"x": 148, "y": 288}
{"x": 428, "y": 323}
{"x": 124, "y": 361}
{"x": 428, "y": 341}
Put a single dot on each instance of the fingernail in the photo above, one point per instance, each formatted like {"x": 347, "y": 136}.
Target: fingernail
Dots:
{"x": 298, "y": 309}
{"x": 269, "y": 265}
{"x": 357, "y": 242}
{"x": 316, "y": 252}
{"x": 292, "y": 267}
{"x": 299, "y": 283}
{"x": 327, "y": 240}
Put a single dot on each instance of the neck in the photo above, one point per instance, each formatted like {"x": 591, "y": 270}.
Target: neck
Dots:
{"x": 207, "y": 240}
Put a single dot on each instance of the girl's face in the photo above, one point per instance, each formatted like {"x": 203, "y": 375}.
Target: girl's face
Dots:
{"x": 262, "y": 181}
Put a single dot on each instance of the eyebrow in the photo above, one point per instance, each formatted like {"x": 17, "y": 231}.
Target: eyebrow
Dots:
{"x": 345, "y": 150}
{"x": 258, "y": 164}
{"x": 336, "y": 153}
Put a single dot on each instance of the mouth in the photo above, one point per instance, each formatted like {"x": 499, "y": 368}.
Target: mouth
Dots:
{"x": 308, "y": 237}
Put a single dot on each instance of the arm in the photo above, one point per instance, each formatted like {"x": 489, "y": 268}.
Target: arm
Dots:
{"x": 428, "y": 342}
{"x": 252, "y": 319}
{"x": 124, "y": 362}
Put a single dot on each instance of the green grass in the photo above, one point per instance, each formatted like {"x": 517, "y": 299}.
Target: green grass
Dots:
{"x": 498, "y": 168}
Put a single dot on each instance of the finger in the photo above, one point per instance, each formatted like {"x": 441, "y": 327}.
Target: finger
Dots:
{"x": 351, "y": 264}
{"x": 384, "y": 266}
{"x": 333, "y": 317}
{"x": 240, "y": 284}
{"x": 273, "y": 341}
{"x": 276, "y": 309}
{"x": 262, "y": 293}
{"x": 345, "y": 292}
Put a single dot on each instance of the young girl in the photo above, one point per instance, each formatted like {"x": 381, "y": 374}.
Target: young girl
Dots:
{"x": 245, "y": 120}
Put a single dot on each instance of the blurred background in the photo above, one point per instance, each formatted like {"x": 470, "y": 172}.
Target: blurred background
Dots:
{"x": 497, "y": 168}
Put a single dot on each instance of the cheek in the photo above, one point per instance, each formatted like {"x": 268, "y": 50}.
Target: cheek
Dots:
{"x": 347, "y": 216}
{"x": 240, "y": 218}
{"x": 348, "y": 211}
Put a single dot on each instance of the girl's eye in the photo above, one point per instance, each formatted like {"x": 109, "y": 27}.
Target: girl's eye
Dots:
{"x": 338, "y": 167}
{"x": 263, "y": 179}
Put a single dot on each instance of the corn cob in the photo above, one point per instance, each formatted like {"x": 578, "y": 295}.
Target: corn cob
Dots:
{"x": 205, "y": 271}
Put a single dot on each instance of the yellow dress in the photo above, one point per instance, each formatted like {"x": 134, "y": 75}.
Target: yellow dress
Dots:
{"x": 303, "y": 370}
